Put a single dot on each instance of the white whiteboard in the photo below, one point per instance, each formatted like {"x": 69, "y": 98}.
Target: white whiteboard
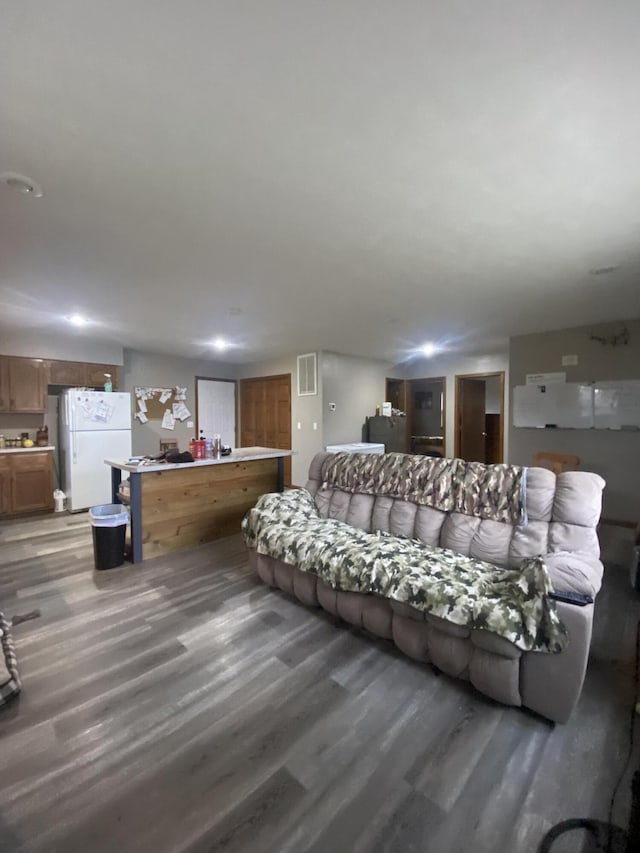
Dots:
{"x": 566, "y": 405}
{"x": 617, "y": 404}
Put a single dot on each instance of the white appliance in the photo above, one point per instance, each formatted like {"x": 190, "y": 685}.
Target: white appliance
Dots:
{"x": 94, "y": 426}
{"x": 356, "y": 447}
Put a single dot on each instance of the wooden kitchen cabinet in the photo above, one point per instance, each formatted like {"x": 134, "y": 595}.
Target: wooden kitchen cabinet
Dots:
{"x": 72, "y": 373}
{"x": 95, "y": 375}
{"x": 23, "y": 385}
{"x": 80, "y": 374}
{"x": 26, "y": 483}
{"x": 5, "y": 485}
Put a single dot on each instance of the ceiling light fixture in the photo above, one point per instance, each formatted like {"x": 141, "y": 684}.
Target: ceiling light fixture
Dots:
{"x": 220, "y": 344}
{"x": 428, "y": 349}
{"x": 21, "y": 184}
{"x": 78, "y": 320}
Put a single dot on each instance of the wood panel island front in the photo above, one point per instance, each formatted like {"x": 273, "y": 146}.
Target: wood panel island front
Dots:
{"x": 175, "y": 506}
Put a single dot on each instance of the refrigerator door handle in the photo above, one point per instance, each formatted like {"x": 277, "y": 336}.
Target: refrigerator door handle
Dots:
{"x": 74, "y": 448}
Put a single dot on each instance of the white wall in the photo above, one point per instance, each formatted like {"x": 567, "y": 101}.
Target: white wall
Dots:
{"x": 305, "y": 442}
{"x": 151, "y": 369}
{"x": 492, "y": 395}
{"x": 356, "y": 386}
{"x": 450, "y": 366}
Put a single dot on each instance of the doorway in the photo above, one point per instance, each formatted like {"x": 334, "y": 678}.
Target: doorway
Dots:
{"x": 479, "y": 417}
{"x": 265, "y": 415}
{"x": 424, "y": 403}
{"x": 216, "y": 409}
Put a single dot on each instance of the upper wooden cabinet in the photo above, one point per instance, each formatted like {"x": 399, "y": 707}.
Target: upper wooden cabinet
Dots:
{"x": 95, "y": 375}
{"x": 67, "y": 373}
{"x": 23, "y": 385}
{"x": 24, "y": 381}
{"x": 80, "y": 374}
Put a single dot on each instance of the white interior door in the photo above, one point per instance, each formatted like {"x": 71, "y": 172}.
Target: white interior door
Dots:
{"x": 217, "y": 409}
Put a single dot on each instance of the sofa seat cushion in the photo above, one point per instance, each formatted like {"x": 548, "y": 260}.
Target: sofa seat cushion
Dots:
{"x": 466, "y": 592}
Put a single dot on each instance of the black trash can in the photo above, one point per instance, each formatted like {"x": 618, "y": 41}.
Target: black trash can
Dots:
{"x": 109, "y": 525}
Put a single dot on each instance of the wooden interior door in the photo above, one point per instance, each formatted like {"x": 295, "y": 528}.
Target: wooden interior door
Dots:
{"x": 265, "y": 415}
{"x": 471, "y": 420}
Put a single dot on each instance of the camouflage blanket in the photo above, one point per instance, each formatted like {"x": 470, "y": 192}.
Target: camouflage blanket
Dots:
{"x": 496, "y": 492}
{"x": 511, "y": 603}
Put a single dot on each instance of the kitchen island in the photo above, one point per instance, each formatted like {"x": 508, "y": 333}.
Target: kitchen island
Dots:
{"x": 176, "y": 506}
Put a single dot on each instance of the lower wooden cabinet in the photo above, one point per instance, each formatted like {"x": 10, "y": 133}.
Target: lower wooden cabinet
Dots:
{"x": 5, "y": 485}
{"x": 26, "y": 483}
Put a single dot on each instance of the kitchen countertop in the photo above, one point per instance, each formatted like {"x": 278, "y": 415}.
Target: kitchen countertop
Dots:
{"x": 241, "y": 454}
{"x": 26, "y": 449}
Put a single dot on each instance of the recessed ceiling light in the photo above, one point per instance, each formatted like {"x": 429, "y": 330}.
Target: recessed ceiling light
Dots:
{"x": 21, "y": 184}
{"x": 428, "y": 349}
{"x": 78, "y": 320}
{"x": 220, "y": 344}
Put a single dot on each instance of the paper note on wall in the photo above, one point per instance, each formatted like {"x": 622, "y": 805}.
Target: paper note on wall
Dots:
{"x": 168, "y": 421}
{"x": 166, "y": 394}
{"x": 181, "y": 412}
{"x": 142, "y": 417}
{"x": 142, "y": 406}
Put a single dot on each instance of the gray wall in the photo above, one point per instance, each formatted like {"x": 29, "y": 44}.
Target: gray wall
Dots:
{"x": 613, "y": 455}
{"x": 150, "y": 369}
{"x": 356, "y": 386}
{"x": 73, "y": 345}
{"x": 450, "y": 366}
{"x": 492, "y": 395}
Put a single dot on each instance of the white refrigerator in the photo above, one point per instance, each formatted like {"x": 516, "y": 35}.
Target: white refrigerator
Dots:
{"x": 94, "y": 426}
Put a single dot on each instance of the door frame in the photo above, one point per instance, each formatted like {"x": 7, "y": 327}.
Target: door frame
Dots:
{"x": 458, "y": 411}
{"x": 235, "y": 402}
{"x": 407, "y": 391}
{"x": 410, "y": 411}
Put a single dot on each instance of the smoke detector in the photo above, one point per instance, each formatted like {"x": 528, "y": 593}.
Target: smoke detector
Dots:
{"x": 21, "y": 184}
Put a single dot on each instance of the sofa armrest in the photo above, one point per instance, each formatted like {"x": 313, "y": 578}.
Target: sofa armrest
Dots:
{"x": 571, "y": 571}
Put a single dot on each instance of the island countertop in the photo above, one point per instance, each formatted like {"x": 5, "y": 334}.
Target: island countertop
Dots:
{"x": 240, "y": 454}
{"x": 178, "y": 506}
{"x": 34, "y": 449}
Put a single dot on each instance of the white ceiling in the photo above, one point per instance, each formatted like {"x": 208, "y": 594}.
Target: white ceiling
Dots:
{"x": 352, "y": 175}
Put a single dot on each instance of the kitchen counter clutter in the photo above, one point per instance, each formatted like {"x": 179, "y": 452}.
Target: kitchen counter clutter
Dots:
{"x": 241, "y": 454}
{"x": 175, "y": 506}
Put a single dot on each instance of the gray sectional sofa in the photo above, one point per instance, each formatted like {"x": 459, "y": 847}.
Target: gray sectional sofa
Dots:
{"x": 562, "y": 511}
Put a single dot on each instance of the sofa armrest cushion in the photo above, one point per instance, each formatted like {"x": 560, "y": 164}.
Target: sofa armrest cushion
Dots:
{"x": 574, "y": 572}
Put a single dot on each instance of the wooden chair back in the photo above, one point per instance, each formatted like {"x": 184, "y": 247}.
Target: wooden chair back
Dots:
{"x": 556, "y": 462}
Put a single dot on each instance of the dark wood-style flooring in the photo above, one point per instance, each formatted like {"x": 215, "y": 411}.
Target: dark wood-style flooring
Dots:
{"x": 181, "y": 705}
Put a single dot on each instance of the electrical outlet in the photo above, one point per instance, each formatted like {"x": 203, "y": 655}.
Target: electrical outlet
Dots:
{"x": 332, "y": 407}
{"x": 299, "y": 425}
{"x": 190, "y": 424}
{"x": 315, "y": 425}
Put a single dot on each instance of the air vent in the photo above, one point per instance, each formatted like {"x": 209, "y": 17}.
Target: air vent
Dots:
{"x": 307, "y": 375}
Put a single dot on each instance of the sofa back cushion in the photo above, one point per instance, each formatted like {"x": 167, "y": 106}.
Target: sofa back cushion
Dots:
{"x": 563, "y": 511}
